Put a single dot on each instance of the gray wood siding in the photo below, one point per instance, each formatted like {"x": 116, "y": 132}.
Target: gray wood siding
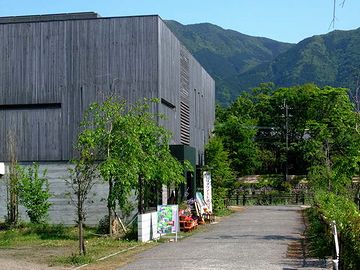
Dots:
{"x": 36, "y": 133}
{"x": 202, "y": 107}
{"x": 74, "y": 63}
{"x": 201, "y": 92}
{"x": 169, "y": 80}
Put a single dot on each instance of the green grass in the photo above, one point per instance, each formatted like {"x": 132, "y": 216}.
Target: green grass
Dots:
{"x": 60, "y": 243}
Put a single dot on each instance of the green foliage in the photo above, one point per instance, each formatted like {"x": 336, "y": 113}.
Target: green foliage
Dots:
{"x": 218, "y": 163}
{"x": 238, "y": 62}
{"x": 225, "y": 54}
{"x": 75, "y": 259}
{"x": 132, "y": 147}
{"x": 222, "y": 177}
{"x": 301, "y": 130}
{"x": 103, "y": 226}
{"x": 330, "y": 59}
{"x": 34, "y": 193}
{"x": 49, "y": 231}
{"x": 219, "y": 195}
{"x": 319, "y": 239}
{"x": 347, "y": 217}
{"x": 332, "y": 146}
{"x": 236, "y": 127}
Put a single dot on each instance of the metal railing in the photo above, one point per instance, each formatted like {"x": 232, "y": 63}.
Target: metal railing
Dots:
{"x": 269, "y": 199}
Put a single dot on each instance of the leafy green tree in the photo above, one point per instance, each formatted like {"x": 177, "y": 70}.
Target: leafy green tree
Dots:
{"x": 237, "y": 128}
{"x": 222, "y": 177}
{"x": 293, "y": 130}
{"x": 132, "y": 148}
{"x": 34, "y": 193}
{"x": 333, "y": 143}
{"x": 82, "y": 178}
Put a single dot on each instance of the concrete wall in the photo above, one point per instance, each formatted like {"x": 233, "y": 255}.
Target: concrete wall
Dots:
{"x": 63, "y": 210}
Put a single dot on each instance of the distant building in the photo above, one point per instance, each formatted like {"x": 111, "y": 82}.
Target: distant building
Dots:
{"x": 54, "y": 66}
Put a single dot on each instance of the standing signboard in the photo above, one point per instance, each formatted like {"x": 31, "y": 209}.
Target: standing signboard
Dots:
{"x": 207, "y": 190}
{"x": 168, "y": 219}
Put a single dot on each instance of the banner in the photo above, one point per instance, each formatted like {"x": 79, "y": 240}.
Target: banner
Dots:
{"x": 168, "y": 219}
{"x": 207, "y": 190}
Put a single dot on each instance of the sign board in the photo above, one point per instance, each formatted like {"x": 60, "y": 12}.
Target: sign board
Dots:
{"x": 168, "y": 219}
{"x": 2, "y": 168}
{"x": 207, "y": 190}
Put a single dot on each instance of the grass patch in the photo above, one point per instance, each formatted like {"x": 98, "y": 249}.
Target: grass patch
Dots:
{"x": 73, "y": 259}
{"x": 317, "y": 236}
{"x": 56, "y": 245}
{"x": 223, "y": 212}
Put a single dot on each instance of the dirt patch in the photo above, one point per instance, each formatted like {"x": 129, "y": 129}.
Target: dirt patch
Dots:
{"x": 237, "y": 208}
{"x": 33, "y": 257}
{"x": 118, "y": 260}
{"x": 13, "y": 264}
{"x": 42, "y": 257}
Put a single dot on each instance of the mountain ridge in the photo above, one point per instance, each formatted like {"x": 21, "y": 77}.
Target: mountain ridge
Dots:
{"x": 225, "y": 53}
{"x": 239, "y": 62}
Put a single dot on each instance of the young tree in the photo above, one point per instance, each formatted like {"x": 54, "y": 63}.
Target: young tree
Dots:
{"x": 12, "y": 183}
{"x": 131, "y": 148}
{"x": 34, "y": 193}
{"x": 82, "y": 179}
{"x": 222, "y": 177}
{"x": 237, "y": 128}
{"x": 333, "y": 143}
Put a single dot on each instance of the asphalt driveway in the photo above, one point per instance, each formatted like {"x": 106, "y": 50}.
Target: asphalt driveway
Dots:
{"x": 257, "y": 238}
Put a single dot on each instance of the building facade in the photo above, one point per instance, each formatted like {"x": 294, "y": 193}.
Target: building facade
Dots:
{"x": 54, "y": 66}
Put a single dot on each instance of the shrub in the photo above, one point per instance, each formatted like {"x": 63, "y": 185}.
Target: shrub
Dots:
{"x": 103, "y": 226}
{"x": 218, "y": 198}
{"x": 34, "y": 193}
{"x": 347, "y": 217}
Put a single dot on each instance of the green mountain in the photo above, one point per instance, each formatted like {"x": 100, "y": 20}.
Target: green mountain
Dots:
{"x": 239, "y": 62}
{"x": 226, "y": 54}
{"x": 331, "y": 59}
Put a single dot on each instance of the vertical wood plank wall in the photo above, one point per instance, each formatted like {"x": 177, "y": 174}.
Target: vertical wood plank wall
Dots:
{"x": 202, "y": 92}
{"x": 72, "y": 63}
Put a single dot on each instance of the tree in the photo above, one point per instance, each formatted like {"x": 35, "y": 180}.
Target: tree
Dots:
{"x": 12, "y": 183}
{"x": 237, "y": 128}
{"x": 82, "y": 178}
{"x": 333, "y": 143}
{"x": 131, "y": 148}
{"x": 222, "y": 177}
{"x": 34, "y": 193}
{"x": 299, "y": 128}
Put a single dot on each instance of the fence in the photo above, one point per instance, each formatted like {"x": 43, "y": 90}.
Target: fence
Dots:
{"x": 269, "y": 199}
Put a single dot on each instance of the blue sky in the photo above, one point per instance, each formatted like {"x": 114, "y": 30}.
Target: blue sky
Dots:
{"x": 283, "y": 20}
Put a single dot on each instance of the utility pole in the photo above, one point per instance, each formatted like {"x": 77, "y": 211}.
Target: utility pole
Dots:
{"x": 286, "y": 138}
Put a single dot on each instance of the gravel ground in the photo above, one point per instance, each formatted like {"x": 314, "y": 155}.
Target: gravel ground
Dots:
{"x": 11, "y": 264}
{"x": 257, "y": 239}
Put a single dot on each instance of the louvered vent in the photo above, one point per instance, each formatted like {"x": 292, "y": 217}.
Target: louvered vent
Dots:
{"x": 184, "y": 97}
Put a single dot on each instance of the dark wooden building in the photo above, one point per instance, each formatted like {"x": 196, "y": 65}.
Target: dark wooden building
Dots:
{"x": 53, "y": 66}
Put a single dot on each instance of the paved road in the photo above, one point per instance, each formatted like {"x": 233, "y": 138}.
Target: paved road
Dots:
{"x": 254, "y": 239}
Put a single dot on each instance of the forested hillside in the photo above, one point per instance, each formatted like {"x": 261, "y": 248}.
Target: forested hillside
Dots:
{"x": 226, "y": 53}
{"x": 332, "y": 59}
{"x": 240, "y": 62}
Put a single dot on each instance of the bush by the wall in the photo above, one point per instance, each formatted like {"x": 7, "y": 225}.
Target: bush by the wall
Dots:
{"x": 34, "y": 193}
{"x": 347, "y": 217}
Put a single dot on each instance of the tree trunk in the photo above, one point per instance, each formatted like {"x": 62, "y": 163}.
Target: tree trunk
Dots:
{"x": 82, "y": 250}
{"x": 110, "y": 206}
{"x": 140, "y": 197}
{"x": 13, "y": 197}
{"x": 13, "y": 204}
